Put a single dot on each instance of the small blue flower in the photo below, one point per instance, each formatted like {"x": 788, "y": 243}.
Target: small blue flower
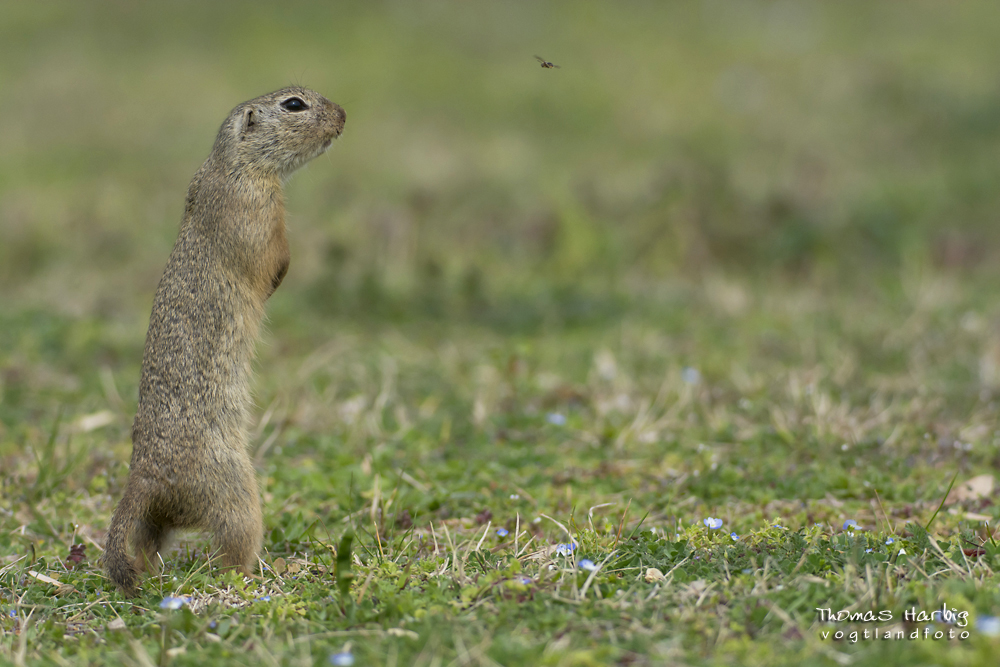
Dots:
{"x": 851, "y": 524}
{"x": 734, "y": 536}
{"x": 12, "y": 613}
{"x": 342, "y": 659}
{"x": 556, "y": 418}
{"x": 691, "y": 375}
{"x": 514, "y": 496}
{"x": 988, "y": 625}
{"x": 778, "y": 525}
{"x": 171, "y": 602}
{"x": 213, "y": 625}
{"x": 588, "y": 565}
{"x": 264, "y": 598}
{"x": 890, "y": 541}
{"x": 868, "y": 551}
{"x": 526, "y": 581}
{"x": 503, "y": 532}
{"x": 713, "y": 523}
{"x": 565, "y": 549}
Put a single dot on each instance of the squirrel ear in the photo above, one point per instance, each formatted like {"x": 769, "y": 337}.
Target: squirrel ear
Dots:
{"x": 248, "y": 121}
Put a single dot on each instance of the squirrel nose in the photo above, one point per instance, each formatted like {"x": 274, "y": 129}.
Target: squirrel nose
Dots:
{"x": 339, "y": 116}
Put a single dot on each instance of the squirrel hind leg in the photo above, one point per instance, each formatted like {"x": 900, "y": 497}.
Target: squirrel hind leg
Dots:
{"x": 118, "y": 564}
{"x": 237, "y": 536}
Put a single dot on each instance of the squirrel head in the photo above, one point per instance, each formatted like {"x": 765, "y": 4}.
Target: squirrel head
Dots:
{"x": 277, "y": 133}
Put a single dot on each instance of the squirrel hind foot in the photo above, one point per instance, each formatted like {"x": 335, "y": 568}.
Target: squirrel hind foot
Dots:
{"x": 124, "y": 574}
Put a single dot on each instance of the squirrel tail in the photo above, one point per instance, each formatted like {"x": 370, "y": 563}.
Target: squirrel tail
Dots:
{"x": 120, "y": 567}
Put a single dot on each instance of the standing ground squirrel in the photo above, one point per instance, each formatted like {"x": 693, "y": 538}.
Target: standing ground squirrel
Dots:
{"x": 190, "y": 466}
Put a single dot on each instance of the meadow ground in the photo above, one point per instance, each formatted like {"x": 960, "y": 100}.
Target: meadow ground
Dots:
{"x": 463, "y": 461}
{"x": 645, "y": 360}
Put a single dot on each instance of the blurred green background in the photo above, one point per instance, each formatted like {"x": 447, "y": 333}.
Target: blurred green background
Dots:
{"x": 732, "y": 259}
{"x": 804, "y": 141}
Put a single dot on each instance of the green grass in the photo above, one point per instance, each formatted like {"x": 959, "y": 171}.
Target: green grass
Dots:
{"x": 423, "y": 439}
{"x": 729, "y": 261}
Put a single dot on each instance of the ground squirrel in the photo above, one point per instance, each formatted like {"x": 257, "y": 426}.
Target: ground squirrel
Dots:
{"x": 190, "y": 466}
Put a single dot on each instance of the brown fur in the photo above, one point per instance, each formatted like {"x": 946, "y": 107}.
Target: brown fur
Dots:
{"x": 190, "y": 466}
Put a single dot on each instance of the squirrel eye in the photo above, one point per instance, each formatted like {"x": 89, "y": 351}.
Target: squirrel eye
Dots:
{"x": 294, "y": 104}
